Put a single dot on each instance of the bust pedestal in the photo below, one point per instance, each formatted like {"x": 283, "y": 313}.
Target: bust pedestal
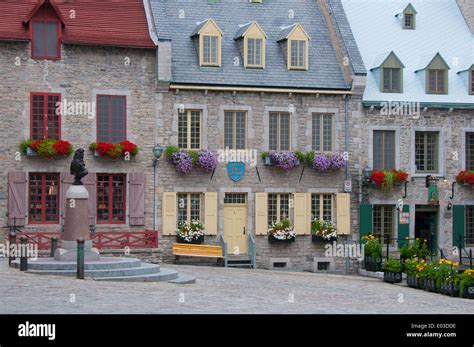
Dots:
{"x": 76, "y": 225}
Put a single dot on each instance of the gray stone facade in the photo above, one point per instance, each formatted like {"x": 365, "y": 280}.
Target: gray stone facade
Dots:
{"x": 81, "y": 74}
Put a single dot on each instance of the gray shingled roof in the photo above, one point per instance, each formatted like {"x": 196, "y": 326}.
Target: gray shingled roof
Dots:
{"x": 242, "y": 30}
{"x": 347, "y": 38}
{"x": 272, "y": 15}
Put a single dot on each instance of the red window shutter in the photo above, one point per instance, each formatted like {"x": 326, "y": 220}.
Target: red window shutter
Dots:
{"x": 16, "y": 198}
{"x": 137, "y": 198}
{"x": 66, "y": 181}
{"x": 90, "y": 182}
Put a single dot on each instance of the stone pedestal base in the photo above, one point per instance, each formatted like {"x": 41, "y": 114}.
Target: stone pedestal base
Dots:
{"x": 68, "y": 251}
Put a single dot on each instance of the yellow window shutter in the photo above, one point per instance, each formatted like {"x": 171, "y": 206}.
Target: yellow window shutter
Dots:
{"x": 210, "y": 217}
{"x": 343, "y": 213}
{"x": 169, "y": 213}
{"x": 301, "y": 213}
{"x": 261, "y": 214}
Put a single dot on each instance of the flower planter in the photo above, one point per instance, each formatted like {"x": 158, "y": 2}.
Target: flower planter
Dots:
{"x": 267, "y": 161}
{"x": 430, "y": 285}
{"x": 271, "y": 239}
{"x": 412, "y": 281}
{"x": 392, "y": 277}
{"x": 197, "y": 241}
{"x": 320, "y": 239}
{"x": 372, "y": 264}
{"x": 468, "y": 292}
{"x": 31, "y": 153}
{"x": 448, "y": 289}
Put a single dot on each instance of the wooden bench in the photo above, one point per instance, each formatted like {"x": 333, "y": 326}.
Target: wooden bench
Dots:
{"x": 191, "y": 250}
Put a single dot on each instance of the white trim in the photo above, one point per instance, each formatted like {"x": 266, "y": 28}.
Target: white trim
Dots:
{"x": 150, "y": 22}
{"x": 441, "y": 150}
{"x": 293, "y": 124}
{"x": 174, "y": 123}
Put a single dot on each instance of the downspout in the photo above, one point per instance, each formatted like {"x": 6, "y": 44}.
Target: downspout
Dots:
{"x": 346, "y": 131}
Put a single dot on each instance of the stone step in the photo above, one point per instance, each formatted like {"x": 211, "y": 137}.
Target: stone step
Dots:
{"x": 103, "y": 264}
{"x": 238, "y": 258}
{"x": 143, "y": 269}
{"x": 164, "y": 275}
{"x": 183, "y": 279}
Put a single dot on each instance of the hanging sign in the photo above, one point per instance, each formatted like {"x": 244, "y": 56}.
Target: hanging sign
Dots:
{"x": 236, "y": 170}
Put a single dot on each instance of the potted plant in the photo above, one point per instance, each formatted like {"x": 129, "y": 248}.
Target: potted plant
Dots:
{"x": 372, "y": 253}
{"x": 47, "y": 148}
{"x": 429, "y": 275}
{"x": 323, "y": 162}
{"x": 392, "y": 271}
{"x": 465, "y": 177}
{"x": 412, "y": 267}
{"x": 186, "y": 160}
{"x": 124, "y": 149}
{"x": 190, "y": 233}
{"x": 284, "y": 160}
{"x": 466, "y": 284}
{"x": 448, "y": 280}
{"x": 323, "y": 231}
{"x": 387, "y": 179}
{"x": 281, "y": 232}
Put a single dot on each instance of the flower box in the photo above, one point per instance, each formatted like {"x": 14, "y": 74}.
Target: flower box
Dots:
{"x": 197, "y": 241}
{"x": 120, "y": 150}
{"x": 468, "y": 292}
{"x": 46, "y": 148}
{"x": 449, "y": 289}
{"x": 387, "y": 179}
{"x": 283, "y": 160}
{"x": 371, "y": 264}
{"x": 271, "y": 239}
{"x": 267, "y": 161}
{"x": 465, "y": 178}
{"x": 430, "y": 284}
{"x": 186, "y": 160}
{"x": 392, "y": 277}
{"x": 320, "y": 239}
{"x": 412, "y": 281}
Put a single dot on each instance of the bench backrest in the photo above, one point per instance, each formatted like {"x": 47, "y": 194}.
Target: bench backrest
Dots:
{"x": 186, "y": 248}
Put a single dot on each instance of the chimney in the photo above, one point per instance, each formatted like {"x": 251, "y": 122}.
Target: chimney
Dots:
{"x": 467, "y": 9}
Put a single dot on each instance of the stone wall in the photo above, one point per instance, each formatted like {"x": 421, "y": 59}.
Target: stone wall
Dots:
{"x": 81, "y": 74}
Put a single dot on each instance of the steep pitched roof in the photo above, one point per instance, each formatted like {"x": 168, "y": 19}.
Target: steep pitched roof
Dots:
{"x": 324, "y": 69}
{"x": 382, "y": 57}
{"x": 105, "y": 22}
{"x": 415, "y": 48}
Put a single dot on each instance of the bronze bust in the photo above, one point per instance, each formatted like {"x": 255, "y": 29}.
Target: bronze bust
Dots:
{"x": 78, "y": 167}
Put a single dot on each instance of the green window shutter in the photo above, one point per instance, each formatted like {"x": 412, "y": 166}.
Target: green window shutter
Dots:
{"x": 459, "y": 224}
{"x": 403, "y": 229}
{"x": 365, "y": 220}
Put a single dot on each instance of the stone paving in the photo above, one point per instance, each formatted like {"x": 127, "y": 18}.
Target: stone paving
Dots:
{"x": 220, "y": 290}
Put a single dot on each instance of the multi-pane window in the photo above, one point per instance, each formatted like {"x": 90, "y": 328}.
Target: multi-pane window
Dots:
{"x": 437, "y": 81}
{"x": 235, "y": 128}
{"x": 469, "y": 237}
{"x": 426, "y": 151}
{"x": 189, "y": 129}
{"x": 472, "y": 81}
{"x": 322, "y": 207}
{"x": 43, "y": 198}
{"x": 45, "y": 116}
{"x": 470, "y": 151}
{"x": 278, "y": 208}
{"x": 323, "y": 131}
{"x": 210, "y": 48}
{"x": 189, "y": 207}
{"x": 111, "y": 118}
{"x": 408, "y": 21}
{"x": 111, "y": 198}
{"x": 235, "y": 198}
{"x": 383, "y": 222}
{"x": 384, "y": 150}
{"x": 45, "y": 39}
{"x": 254, "y": 52}
{"x": 298, "y": 54}
{"x": 279, "y": 131}
{"x": 391, "y": 80}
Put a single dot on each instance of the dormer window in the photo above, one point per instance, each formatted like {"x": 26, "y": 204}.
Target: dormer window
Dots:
{"x": 389, "y": 70}
{"x": 208, "y": 40}
{"x": 252, "y": 40}
{"x": 435, "y": 74}
{"x": 45, "y": 42}
{"x": 408, "y": 20}
{"x": 45, "y": 26}
{"x": 467, "y": 76}
{"x": 471, "y": 80}
{"x": 295, "y": 42}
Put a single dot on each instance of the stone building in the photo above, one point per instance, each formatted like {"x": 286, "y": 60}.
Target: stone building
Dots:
{"x": 418, "y": 117}
{"x": 256, "y": 76}
{"x": 99, "y": 61}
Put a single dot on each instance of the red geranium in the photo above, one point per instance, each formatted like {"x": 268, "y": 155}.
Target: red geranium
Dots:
{"x": 400, "y": 176}
{"x": 34, "y": 145}
{"x": 62, "y": 147}
{"x": 466, "y": 177}
{"x": 129, "y": 147}
{"x": 103, "y": 148}
{"x": 377, "y": 177}
{"x": 114, "y": 150}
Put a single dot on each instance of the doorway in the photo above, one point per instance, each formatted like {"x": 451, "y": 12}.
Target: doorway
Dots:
{"x": 235, "y": 223}
{"x": 426, "y": 225}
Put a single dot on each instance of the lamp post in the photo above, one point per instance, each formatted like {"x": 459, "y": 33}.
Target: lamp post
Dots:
{"x": 157, "y": 152}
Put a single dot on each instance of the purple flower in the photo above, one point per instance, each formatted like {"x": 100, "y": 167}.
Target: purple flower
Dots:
{"x": 284, "y": 160}
{"x": 207, "y": 160}
{"x": 183, "y": 162}
{"x": 337, "y": 161}
{"x": 321, "y": 162}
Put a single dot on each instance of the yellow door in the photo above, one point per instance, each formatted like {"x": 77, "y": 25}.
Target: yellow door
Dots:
{"x": 235, "y": 233}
